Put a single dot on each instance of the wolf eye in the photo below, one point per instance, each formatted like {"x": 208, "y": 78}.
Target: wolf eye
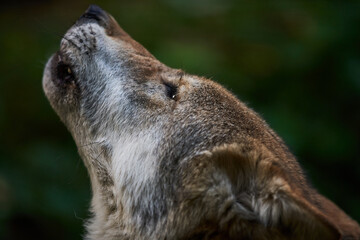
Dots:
{"x": 171, "y": 90}
{"x": 64, "y": 73}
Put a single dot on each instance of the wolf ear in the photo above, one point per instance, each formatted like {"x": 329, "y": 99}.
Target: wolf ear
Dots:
{"x": 276, "y": 193}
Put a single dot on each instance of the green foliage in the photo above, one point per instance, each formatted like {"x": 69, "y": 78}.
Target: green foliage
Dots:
{"x": 297, "y": 63}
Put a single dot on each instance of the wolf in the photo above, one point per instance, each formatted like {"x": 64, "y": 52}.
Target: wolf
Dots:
{"x": 171, "y": 155}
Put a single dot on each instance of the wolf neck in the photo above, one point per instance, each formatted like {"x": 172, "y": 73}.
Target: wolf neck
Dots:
{"x": 119, "y": 181}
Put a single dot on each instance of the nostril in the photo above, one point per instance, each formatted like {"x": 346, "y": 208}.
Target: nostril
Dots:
{"x": 95, "y": 12}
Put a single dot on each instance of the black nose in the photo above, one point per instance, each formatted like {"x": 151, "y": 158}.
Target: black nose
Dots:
{"x": 96, "y": 13}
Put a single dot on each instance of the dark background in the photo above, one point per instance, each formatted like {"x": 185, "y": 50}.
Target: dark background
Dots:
{"x": 296, "y": 63}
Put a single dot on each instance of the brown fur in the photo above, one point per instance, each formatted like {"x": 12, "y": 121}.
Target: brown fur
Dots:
{"x": 198, "y": 164}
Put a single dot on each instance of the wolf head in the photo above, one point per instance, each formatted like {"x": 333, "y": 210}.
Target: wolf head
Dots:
{"x": 172, "y": 155}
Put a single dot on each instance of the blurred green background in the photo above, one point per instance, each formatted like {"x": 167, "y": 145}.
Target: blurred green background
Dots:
{"x": 296, "y": 63}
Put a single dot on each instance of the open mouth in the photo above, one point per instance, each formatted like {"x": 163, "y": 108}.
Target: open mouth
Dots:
{"x": 62, "y": 73}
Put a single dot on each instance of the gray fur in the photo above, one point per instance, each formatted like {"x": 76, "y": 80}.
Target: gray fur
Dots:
{"x": 197, "y": 164}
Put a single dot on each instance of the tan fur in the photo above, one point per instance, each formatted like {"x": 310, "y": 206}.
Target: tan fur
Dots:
{"x": 176, "y": 156}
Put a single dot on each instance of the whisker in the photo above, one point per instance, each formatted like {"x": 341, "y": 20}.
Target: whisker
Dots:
{"x": 70, "y": 41}
{"x": 91, "y": 143}
{"x": 96, "y": 159}
{"x": 76, "y": 216}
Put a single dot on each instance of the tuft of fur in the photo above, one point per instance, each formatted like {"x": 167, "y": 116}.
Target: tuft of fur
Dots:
{"x": 172, "y": 155}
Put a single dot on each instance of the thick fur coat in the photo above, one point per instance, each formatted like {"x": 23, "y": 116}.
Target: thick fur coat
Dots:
{"x": 172, "y": 155}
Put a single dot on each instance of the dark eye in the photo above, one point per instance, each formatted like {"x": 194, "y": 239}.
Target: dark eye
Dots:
{"x": 64, "y": 73}
{"x": 171, "y": 90}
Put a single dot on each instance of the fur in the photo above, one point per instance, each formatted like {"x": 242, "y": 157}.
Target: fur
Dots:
{"x": 172, "y": 155}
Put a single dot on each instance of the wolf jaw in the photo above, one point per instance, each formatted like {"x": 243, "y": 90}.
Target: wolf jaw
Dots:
{"x": 172, "y": 155}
